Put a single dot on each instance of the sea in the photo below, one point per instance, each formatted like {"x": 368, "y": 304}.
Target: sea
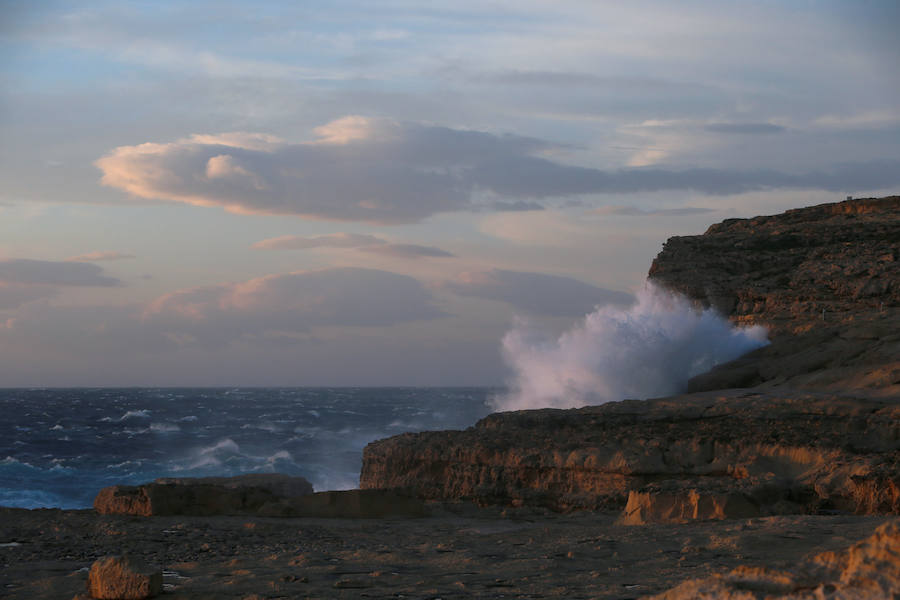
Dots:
{"x": 59, "y": 447}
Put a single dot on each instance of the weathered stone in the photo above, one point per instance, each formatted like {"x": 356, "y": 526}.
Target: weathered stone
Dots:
{"x": 785, "y": 270}
{"x": 787, "y": 451}
{"x": 869, "y": 569}
{"x": 123, "y": 578}
{"x": 684, "y": 505}
{"x": 190, "y": 497}
{"x": 863, "y": 355}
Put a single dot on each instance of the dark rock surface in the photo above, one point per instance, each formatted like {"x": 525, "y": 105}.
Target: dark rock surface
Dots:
{"x": 278, "y": 484}
{"x": 154, "y": 499}
{"x": 209, "y": 496}
{"x": 200, "y": 496}
{"x": 784, "y": 270}
{"x": 466, "y": 553}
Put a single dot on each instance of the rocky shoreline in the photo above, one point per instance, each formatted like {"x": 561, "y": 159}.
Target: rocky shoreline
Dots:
{"x": 777, "y": 475}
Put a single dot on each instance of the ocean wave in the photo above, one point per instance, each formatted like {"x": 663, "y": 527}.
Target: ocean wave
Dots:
{"x": 136, "y": 414}
{"x": 264, "y": 426}
{"x": 9, "y": 461}
{"x": 164, "y": 427}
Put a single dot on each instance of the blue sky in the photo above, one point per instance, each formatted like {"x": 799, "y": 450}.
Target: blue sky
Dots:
{"x": 433, "y": 171}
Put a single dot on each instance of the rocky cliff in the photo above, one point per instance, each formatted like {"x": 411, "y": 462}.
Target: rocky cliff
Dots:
{"x": 784, "y": 270}
{"x": 757, "y": 446}
{"x": 710, "y": 455}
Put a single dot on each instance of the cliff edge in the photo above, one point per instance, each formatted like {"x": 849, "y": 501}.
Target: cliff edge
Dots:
{"x": 785, "y": 271}
{"x": 807, "y": 424}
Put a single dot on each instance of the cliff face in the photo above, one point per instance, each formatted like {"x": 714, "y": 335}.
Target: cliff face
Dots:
{"x": 784, "y": 270}
{"x": 767, "y": 448}
{"x": 714, "y": 455}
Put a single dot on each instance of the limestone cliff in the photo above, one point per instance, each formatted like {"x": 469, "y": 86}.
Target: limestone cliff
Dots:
{"x": 797, "y": 426}
{"x": 785, "y": 270}
{"x": 728, "y": 454}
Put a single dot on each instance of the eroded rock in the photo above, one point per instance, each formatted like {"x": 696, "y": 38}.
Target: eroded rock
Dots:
{"x": 869, "y": 569}
{"x": 684, "y": 505}
{"x": 785, "y": 270}
{"x": 787, "y": 451}
{"x": 123, "y": 578}
{"x": 200, "y": 496}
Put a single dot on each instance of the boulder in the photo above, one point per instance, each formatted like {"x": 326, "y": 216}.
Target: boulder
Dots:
{"x": 123, "y": 578}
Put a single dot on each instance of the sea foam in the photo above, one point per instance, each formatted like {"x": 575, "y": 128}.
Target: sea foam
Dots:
{"x": 647, "y": 350}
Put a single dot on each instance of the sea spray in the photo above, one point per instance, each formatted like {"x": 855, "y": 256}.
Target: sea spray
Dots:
{"x": 649, "y": 349}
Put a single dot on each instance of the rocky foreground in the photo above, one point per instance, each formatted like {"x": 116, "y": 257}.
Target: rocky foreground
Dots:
{"x": 465, "y": 553}
{"x": 776, "y": 476}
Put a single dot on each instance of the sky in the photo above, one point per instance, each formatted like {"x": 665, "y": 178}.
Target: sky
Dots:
{"x": 373, "y": 193}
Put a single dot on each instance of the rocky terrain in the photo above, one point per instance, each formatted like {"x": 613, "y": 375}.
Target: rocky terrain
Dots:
{"x": 776, "y": 476}
{"x": 784, "y": 270}
{"x": 735, "y": 453}
{"x": 465, "y": 553}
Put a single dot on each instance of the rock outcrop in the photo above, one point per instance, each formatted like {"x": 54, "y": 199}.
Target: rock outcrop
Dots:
{"x": 200, "y": 496}
{"x": 705, "y": 455}
{"x": 869, "y": 569}
{"x": 784, "y": 270}
{"x": 279, "y": 484}
{"x": 123, "y": 578}
{"x": 863, "y": 356}
{"x": 805, "y": 434}
{"x": 267, "y": 495}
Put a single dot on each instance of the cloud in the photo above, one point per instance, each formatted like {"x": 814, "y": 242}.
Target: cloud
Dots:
{"x": 291, "y": 303}
{"x": 406, "y": 251}
{"x": 332, "y": 240}
{"x": 356, "y": 169}
{"x": 13, "y": 295}
{"x": 384, "y": 171}
{"x": 25, "y": 280}
{"x": 518, "y": 206}
{"x": 45, "y": 272}
{"x": 99, "y": 255}
{"x": 535, "y": 292}
{"x": 632, "y": 211}
{"x": 745, "y": 128}
{"x": 362, "y": 242}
